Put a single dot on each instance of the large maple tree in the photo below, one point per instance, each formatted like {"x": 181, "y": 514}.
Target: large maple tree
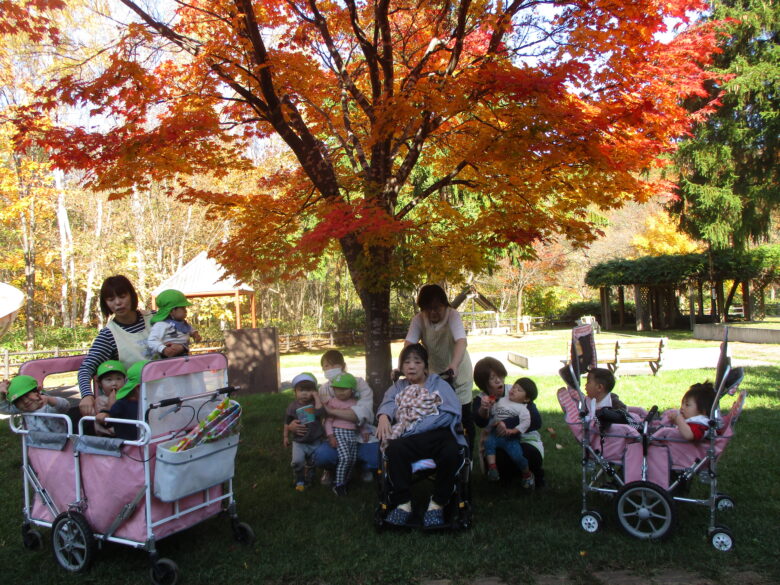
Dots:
{"x": 424, "y": 135}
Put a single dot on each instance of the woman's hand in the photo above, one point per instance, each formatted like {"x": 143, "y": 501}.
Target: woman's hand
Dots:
{"x": 383, "y": 427}
{"x": 87, "y": 405}
{"x": 333, "y": 442}
{"x": 173, "y": 349}
{"x": 501, "y": 429}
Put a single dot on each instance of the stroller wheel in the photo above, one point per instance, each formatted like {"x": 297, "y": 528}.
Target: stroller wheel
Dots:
{"x": 31, "y": 538}
{"x": 590, "y": 521}
{"x": 721, "y": 539}
{"x": 164, "y": 572}
{"x": 72, "y": 542}
{"x": 644, "y": 510}
{"x": 243, "y": 533}
{"x": 724, "y": 503}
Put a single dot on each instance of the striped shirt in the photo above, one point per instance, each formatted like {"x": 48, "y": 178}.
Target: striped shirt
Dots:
{"x": 103, "y": 348}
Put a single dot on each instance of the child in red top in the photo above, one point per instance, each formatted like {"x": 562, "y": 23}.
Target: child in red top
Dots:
{"x": 693, "y": 418}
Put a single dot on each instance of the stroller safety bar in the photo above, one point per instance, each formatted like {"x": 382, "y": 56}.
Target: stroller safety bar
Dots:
{"x": 145, "y": 431}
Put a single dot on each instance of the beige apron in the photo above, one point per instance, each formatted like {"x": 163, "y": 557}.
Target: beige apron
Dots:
{"x": 440, "y": 345}
{"x": 131, "y": 347}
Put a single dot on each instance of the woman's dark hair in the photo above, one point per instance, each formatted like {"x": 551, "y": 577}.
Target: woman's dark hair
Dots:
{"x": 115, "y": 286}
{"x": 432, "y": 294}
{"x": 333, "y": 356}
{"x": 703, "y": 394}
{"x": 415, "y": 348}
{"x": 482, "y": 370}
{"x": 527, "y": 384}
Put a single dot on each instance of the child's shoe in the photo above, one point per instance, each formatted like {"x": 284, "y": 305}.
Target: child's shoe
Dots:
{"x": 340, "y": 489}
{"x": 492, "y": 474}
{"x": 299, "y": 486}
{"x": 527, "y": 481}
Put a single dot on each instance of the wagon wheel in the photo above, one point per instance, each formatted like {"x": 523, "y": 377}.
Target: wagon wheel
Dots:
{"x": 644, "y": 510}
{"x": 243, "y": 533}
{"x": 164, "y": 572}
{"x": 72, "y": 542}
{"x": 31, "y": 538}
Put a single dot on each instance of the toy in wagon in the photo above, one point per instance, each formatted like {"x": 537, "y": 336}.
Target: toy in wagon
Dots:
{"x": 177, "y": 473}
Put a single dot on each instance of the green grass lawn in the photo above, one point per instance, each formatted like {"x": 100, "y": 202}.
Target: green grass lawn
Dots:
{"x": 315, "y": 537}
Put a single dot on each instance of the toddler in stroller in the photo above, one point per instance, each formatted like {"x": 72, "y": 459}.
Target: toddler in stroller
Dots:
{"x": 646, "y": 468}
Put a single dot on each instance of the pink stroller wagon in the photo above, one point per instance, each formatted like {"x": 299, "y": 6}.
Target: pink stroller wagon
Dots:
{"x": 647, "y": 470}
{"x": 90, "y": 490}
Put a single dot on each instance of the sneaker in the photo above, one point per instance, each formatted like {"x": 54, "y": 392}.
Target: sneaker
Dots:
{"x": 340, "y": 490}
{"x": 492, "y": 474}
{"x": 527, "y": 481}
{"x": 433, "y": 518}
{"x": 327, "y": 478}
{"x": 300, "y": 486}
{"x": 398, "y": 517}
{"x": 367, "y": 475}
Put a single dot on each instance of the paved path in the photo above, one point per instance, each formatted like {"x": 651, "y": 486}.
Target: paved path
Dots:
{"x": 674, "y": 359}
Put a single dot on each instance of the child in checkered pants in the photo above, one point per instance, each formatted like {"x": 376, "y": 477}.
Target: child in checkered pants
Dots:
{"x": 343, "y": 434}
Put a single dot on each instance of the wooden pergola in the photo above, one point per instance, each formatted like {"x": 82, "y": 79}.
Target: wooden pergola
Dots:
{"x": 204, "y": 277}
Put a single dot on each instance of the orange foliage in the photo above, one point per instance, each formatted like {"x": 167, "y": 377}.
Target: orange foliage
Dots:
{"x": 528, "y": 132}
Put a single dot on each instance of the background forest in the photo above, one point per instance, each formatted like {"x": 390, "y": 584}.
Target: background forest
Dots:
{"x": 58, "y": 241}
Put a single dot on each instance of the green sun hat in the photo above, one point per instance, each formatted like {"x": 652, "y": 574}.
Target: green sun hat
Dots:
{"x": 168, "y": 300}
{"x": 111, "y": 366}
{"x": 20, "y": 386}
{"x": 133, "y": 379}
{"x": 344, "y": 380}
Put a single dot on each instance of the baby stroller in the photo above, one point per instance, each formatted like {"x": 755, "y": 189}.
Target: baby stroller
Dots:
{"x": 647, "y": 468}
{"x": 89, "y": 490}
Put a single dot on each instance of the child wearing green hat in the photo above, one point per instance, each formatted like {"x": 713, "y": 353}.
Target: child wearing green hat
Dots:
{"x": 342, "y": 434}
{"x": 111, "y": 375}
{"x": 125, "y": 404}
{"x": 169, "y": 324}
{"x": 23, "y": 396}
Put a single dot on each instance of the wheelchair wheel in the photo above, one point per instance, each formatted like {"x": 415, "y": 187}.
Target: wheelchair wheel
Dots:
{"x": 164, "y": 572}
{"x": 72, "y": 542}
{"x": 644, "y": 510}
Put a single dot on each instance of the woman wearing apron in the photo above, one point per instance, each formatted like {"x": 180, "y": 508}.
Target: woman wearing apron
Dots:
{"x": 123, "y": 338}
{"x": 440, "y": 329}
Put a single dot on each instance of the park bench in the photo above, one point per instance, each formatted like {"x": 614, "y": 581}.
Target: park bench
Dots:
{"x": 615, "y": 352}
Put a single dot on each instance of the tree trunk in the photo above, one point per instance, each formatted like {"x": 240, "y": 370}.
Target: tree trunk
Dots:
{"x": 519, "y": 312}
{"x": 372, "y": 283}
{"x": 67, "y": 287}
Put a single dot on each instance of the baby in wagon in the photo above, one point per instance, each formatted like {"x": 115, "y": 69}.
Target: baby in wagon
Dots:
{"x": 169, "y": 324}
{"x": 23, "y": 396}
{"x": 125, "y": 404}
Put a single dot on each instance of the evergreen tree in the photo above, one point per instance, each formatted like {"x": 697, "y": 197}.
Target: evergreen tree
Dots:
{"x": 728, "y": 169}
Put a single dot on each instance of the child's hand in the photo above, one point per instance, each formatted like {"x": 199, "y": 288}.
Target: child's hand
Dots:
{"x": 101, "y": 417}
{"x": 501, "y": 429}
{"x": 333, "y": 442}
{"x": 286, "y": 441}
{"x": 365, "y": 435}
{"x": 196, "y": 336}
{"x": 317, "y": 400}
